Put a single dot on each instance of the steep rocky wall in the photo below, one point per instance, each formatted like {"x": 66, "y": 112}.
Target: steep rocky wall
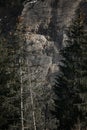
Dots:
{"x": 44, "y": 23}
{"x": 49, "y": 17}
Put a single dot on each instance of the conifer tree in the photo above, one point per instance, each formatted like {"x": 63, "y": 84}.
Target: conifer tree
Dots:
{"x": 9, "y": 111}
{"x": 72, "y": 79}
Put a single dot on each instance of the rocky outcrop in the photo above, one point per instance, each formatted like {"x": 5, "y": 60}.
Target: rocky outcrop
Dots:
{"x": 44, "y": 23}
{"x": 40, "y": 55}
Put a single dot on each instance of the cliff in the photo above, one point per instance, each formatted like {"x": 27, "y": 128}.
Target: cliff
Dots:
{"x": 44, "y": 23}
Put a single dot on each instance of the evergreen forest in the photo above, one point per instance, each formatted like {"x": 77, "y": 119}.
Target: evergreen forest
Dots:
{"x": 63, "y": 106}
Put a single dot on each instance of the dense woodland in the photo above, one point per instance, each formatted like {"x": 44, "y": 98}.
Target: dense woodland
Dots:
{"x": 65, "y": 105}
{"x": 71, "y": 84}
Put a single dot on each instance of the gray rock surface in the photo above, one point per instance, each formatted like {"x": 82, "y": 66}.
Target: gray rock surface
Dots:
{"x": 44, "y": 23}
{"x": 42, "y": 57}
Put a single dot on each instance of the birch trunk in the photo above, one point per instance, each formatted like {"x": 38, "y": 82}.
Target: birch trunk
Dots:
{"x": 22, "y": 116}
{"x": 31, "y": 97}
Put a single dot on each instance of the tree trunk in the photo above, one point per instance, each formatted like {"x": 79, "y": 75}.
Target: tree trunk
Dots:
{"x": 31, "y": 97}
{"x": 22, "y": 116}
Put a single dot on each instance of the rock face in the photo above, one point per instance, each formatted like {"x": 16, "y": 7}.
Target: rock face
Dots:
{"x": 44, "y": 23}
{"x": 42, "y": 57}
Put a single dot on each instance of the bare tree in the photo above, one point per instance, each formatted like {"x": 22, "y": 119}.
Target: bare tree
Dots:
{"x": 31, "y": 96}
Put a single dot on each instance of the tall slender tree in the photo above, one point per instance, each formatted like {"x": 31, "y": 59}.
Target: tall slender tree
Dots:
{"x": 72, "y": 78}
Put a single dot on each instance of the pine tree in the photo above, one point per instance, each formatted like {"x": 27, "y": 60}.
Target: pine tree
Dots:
{"x": 8, "y": 84}
{"x": 72, "y": 79}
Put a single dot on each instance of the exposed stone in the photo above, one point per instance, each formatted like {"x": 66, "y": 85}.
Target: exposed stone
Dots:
{"x": 45, "y": 22}
{"x": 40, "y": 52}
